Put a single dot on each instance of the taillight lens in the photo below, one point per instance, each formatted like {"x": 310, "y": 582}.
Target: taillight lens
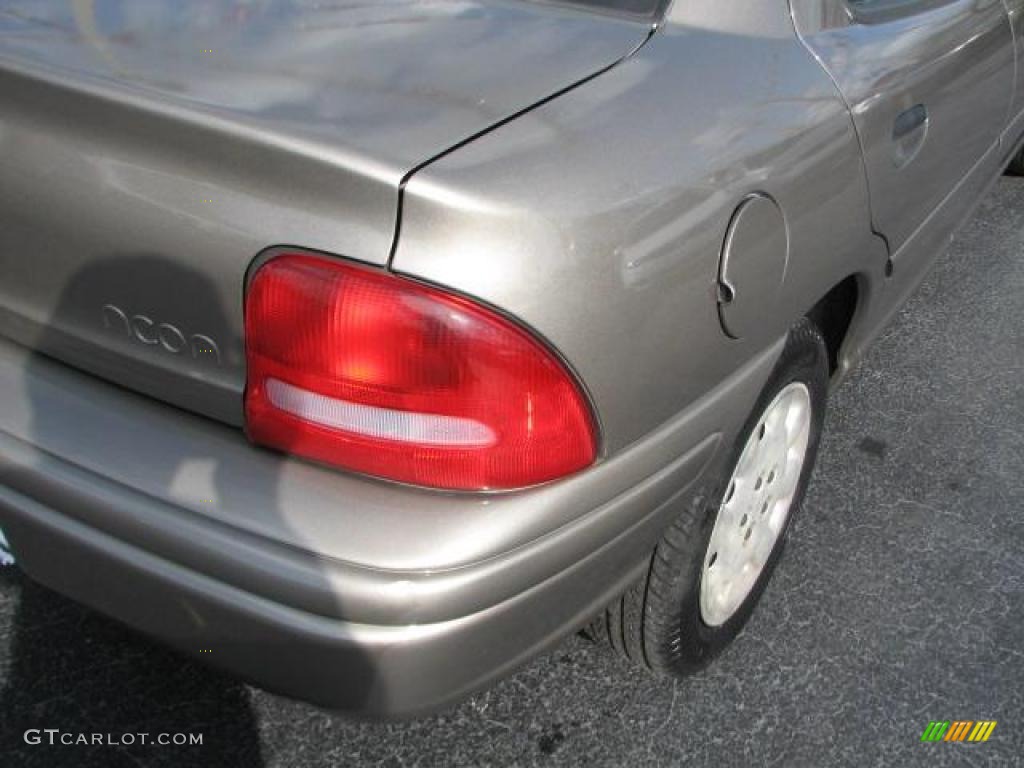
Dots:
{"x": 379, "y": 374}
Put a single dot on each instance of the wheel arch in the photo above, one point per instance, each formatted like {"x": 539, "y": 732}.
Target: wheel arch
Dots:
{"x": 834, "y": 315}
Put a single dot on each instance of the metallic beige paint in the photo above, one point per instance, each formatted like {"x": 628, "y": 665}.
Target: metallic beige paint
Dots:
{"x": 564, "y": 166}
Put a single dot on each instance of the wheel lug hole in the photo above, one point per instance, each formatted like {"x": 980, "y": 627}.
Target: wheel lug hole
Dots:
{"x": 746, "y": 536}
{"x": 743, "y": 522}
{"x": 758, "y": 484}
{"x": 712, "y": 559}
{"x": 771, "y": 477}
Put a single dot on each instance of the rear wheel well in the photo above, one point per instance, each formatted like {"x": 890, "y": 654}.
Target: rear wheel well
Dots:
{"x": 833, "y": 315}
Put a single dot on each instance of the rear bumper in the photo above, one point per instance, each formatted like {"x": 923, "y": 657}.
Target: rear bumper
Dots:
{"x": 296, "y": 591}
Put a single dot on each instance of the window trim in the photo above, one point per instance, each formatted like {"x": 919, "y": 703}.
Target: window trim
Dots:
{"x": 654, "y": 17}
{"x": 891, "y": 10}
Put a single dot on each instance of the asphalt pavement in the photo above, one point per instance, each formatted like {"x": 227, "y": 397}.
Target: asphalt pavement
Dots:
{"x": 900, "y": 600}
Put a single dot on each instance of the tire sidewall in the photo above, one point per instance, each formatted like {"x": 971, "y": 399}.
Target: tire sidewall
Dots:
{"x": 803, "y": 360}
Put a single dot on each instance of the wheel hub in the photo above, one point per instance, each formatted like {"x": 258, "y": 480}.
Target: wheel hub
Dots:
{"x": 756, "y": 504}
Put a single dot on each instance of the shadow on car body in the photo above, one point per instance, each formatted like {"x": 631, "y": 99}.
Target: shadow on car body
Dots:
{"x": 72, "y": 669}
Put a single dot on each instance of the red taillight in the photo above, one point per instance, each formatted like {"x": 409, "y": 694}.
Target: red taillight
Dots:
{"x": 383, "y": 375}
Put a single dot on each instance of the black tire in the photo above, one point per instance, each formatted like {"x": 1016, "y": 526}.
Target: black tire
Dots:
{"x": 1016, "y": 166}
{"x": 657, "y": 623}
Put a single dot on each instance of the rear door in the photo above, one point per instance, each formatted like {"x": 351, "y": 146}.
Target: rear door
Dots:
{"x": 929, "y": 84}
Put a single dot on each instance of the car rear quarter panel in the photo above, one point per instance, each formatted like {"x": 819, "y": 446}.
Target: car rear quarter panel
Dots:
{"x": 599, "y": 217}
{"x": 149, "y": 150}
